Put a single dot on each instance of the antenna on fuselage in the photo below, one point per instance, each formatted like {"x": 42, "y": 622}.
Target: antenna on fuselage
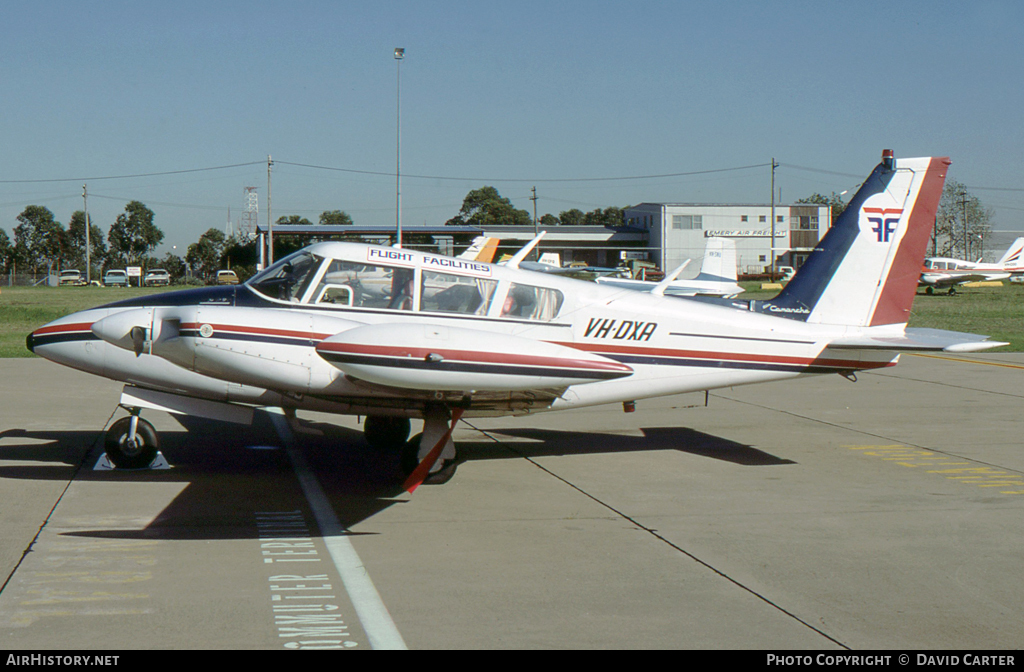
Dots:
{"x": 521, "y": 254}
{"x": 659, "y": 289}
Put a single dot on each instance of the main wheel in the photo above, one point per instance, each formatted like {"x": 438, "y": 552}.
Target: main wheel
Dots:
{"x": 411, "y": 460}
{"x": 127, "y": 454}
{"x": 385, "y": 432}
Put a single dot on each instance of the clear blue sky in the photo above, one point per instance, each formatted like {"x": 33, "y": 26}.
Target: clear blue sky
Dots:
{"x": 512, "y": 94}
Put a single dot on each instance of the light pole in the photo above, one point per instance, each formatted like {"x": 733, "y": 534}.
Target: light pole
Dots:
{"x": 88, "y": 257}
{"x": 399, "y": 55}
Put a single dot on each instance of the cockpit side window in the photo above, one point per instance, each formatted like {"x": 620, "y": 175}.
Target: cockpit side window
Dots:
{"x": 347, "y": 283}
{"x": 449, "y": 293}
{"x": 532, "y": 303}
{"x": 288, "y": 279}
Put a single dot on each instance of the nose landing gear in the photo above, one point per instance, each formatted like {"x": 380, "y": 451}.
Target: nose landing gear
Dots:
{"x": 131, "y": 443}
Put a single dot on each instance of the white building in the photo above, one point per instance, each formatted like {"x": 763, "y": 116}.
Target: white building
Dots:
{"x": 678, "y": 231}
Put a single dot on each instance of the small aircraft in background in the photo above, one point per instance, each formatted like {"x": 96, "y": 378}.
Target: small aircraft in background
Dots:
{"x": 393, "y": 334}
{"x": 717, "y": 275}
{"x": 944, "y": 272}
{"x": 481, "y": 249}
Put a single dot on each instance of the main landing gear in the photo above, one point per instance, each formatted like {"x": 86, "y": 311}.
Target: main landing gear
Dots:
{"x": 391, "y": 434}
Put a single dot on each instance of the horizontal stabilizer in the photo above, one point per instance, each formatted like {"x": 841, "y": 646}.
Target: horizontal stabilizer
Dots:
{"x": 921, "y": 340}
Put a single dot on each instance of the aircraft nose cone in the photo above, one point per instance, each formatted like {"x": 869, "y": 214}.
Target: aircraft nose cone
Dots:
{"x": 30, "y": 343}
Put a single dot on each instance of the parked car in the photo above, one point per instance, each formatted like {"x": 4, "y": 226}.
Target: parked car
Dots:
{"x": 71, "y": 277}
{"x": 157, "y": 277}
{"x": 114, "y": 277}
{"x": 227, "y": 278}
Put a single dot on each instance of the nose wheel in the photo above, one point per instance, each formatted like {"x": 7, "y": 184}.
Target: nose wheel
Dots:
{"x": 131, "y": 443}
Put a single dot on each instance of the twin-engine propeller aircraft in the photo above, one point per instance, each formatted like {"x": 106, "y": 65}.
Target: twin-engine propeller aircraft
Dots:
{"x": 944, "y": 272}
{"x": 393, "y": 334}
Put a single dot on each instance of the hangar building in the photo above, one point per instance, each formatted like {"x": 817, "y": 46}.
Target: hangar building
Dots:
{"x": 678, "y": 231}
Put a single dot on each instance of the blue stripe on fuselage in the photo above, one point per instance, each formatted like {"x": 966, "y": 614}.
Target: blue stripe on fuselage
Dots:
{"x": 216, "y": 296}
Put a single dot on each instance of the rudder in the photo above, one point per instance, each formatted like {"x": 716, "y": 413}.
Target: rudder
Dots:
{"x": 864, "y": 271}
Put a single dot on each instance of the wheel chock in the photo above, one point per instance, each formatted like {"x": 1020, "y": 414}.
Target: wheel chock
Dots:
{"x": 104, "y": 464}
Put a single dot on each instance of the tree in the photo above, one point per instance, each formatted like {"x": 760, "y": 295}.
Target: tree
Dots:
{"x": 6, "y": 252}
{"x": 203, "y": 257}
{"x": 293, "y": 220}
{"x": 962, "y": 224}
{"x": 608, "y": 217}
{"x": 76, "y": 242}
{"x": 134, "y": 235}
{"x": 835, "y": 203}
{"x": 548, "y": 220}
{"x": 485, "y": 207}
{"x": 335, "y": 218}
{"x": 174, "y": 266}
{"x": 572, "y": 217}
{"x": 38, "y": 238}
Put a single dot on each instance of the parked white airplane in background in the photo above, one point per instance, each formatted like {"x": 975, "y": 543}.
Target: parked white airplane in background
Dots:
{"x": 717, "y": 275}
{"x": 942, "y": 272}
{"x": 458, "y": 338}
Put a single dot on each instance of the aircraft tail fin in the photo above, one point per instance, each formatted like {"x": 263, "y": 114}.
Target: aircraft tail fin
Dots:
{"x": 1014, "y": 255}
{"x": 865, "y": 270}
{"x": 482, "y": 249}
{"x": 719, "y": 263}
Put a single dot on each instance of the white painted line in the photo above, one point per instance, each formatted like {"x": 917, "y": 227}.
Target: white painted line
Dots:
{"x": 373, "y": 614}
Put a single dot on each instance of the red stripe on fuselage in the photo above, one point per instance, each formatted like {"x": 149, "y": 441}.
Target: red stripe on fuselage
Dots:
{"x": 63, "y": 328}
{"x": 472, "y": 356}
{"x": 261, "y": 331}
{"x": 737, "y": 357}
{"x": 512, "y": 358}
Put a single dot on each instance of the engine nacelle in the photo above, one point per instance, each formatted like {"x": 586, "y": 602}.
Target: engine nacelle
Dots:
{"x": 433, "y": 357}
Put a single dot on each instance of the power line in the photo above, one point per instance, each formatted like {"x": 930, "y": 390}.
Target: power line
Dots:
{"x": 530, "y": 179}
{"x": 123, "y": 177}
{"x": 818, "y": 170}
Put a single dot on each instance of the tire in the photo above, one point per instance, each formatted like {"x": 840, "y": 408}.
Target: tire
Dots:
{"x": 384, "y": 432}
{"x": 410, "y": 460}
{"x": 125, "y": 456}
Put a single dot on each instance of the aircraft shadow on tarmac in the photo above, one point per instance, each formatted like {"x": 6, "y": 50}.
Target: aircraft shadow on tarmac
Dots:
{"x": 231, "y": 474}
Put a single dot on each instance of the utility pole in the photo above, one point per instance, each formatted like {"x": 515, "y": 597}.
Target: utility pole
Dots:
{"x": 963, "y": 204}
{"x": 88, "y": 258}
{"x": 399, "y": 55}
{"x": 536, "y": 230}
{"x": 270, "y": 219}
{"x": 772, "y": 246}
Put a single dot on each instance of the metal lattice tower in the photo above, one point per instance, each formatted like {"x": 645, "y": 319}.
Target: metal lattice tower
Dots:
{"x": 250, "y": 216}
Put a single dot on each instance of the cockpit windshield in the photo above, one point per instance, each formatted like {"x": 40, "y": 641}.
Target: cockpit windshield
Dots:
{"x": 288, "y": 279}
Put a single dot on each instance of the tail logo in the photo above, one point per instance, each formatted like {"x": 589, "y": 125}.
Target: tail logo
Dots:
{"x": 885, "y": 222}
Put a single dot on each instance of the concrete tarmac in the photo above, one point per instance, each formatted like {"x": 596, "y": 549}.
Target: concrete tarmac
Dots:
{"x": 812, "y": 514}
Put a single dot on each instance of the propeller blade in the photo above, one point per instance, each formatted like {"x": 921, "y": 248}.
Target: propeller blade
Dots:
{"x": 138, "y": 339}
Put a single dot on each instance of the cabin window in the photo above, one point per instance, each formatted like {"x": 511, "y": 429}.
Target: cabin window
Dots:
{"x": 532, "y": 303}
{"x": 347, "y": 283}
{"x": 448, "y": 293}
{"x": 288, "y": 279}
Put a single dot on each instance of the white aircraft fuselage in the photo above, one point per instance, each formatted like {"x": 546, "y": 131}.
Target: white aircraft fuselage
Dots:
{"x": 238, "y": 344}
{"x": 393, "y": 333}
